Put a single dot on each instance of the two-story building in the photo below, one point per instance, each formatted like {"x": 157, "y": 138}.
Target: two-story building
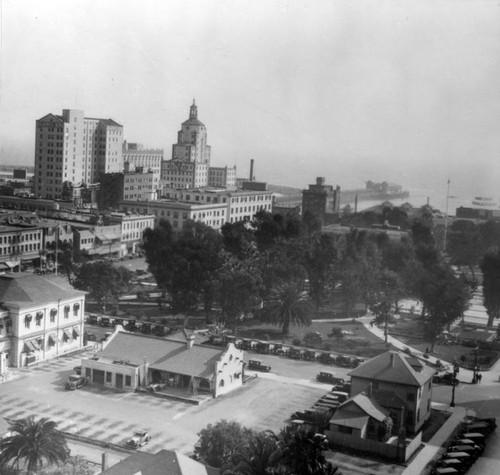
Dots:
{"x": 41, "y": 317}
{"x": 401, "y": 384}
{"x": 129, "y": 361}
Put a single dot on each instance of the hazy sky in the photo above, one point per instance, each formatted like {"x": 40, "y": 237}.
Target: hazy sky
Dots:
{"x": 406, "y": 91}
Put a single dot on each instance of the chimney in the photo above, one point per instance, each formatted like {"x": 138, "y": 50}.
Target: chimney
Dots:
{"x": 189, "y": 341}
{"x": 392, "y": 356}
{"x": 251, "y": 169}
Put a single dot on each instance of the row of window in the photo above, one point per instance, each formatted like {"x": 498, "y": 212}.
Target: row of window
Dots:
{"x": 69, "y": 335}
{"x": 38, "y": 316}
{"x": 15, "y": 239}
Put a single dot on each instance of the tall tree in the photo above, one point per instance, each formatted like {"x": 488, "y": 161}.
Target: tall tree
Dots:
{"x": 464, "y": 246}
{"x": 320, "y": 258}
{"x": 32, "y": 444}
{"x": 239, "y": 239}
{"x": 288, "y": 303}
{"x": 490, "y": 267}
{"x": 105, "y": 282}
{"x": 445, "y": 298}
{"x": 185, "y": 265}
{"x": 303, "y": 452}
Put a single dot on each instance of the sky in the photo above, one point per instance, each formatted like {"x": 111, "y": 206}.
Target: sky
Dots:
{"x": 402, "y": 91}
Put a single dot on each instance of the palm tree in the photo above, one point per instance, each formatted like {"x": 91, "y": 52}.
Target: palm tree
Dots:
{"x": 288, "y": 303}
{"x": 31, "y": 444}
{"x": 303, "y": 452}
{"x": 260, "y": 457}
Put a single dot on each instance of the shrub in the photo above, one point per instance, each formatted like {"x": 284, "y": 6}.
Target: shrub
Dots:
{"x": 313, "y": 339}
{"x": 296, "y": 342}
{"x": 327, "y": 346}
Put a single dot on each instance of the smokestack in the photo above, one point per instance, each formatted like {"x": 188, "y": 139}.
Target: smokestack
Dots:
{"x": 190, "y": 341}
{"x": 104, "y": 461}
{"x": 251, "y": 169}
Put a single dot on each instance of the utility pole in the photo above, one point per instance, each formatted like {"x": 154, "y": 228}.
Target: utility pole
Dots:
{"x": 446, "y": 215}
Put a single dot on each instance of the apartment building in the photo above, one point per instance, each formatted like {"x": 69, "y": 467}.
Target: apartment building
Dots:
{"x": 71, "y": 150}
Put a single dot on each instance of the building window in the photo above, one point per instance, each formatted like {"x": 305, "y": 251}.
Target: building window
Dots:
{"x": 27, "y": 320}
{"x": 53, "y": 314}
{"x": 76, "y": 307}
{"x": 128, "y": 381}
{"x": 66, "y": 311}
{"x": 38, "y": 318}
{"x": 109, "y": 376}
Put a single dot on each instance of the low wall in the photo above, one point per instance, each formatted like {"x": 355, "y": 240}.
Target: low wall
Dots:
{"x": 393, "y": 452}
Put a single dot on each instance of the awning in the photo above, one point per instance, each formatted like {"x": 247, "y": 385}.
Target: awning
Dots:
{"x": 35, "y": 344}
{"x": 28, "y": 347}
{"x": 76, "y": 332}
{"x": 66, "y": 334}
{"x": 10, "y": 264}
{"x": 53, "y": 338}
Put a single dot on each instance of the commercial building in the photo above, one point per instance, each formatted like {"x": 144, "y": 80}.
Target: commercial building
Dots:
{"x": 137, "y": 159}
{"x": 71, "y": 150}
{"x": 132, "y": 227}
{"x": 41, "y": 317}
{"x": 179, "y": 212}
{"x": 189, "y": 166}
{"x": 130, "y": 361}
{"x": 116, "y": 187}
{"x": 321, "y": 200}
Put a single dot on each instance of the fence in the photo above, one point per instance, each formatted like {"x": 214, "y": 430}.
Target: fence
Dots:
{"x": 389, "y": 451}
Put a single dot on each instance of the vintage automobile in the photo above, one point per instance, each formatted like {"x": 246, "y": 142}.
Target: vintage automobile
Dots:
{"x": 263, "y": 348}
{"x": 344, "y": 387}
{"x": 91, "y": 319}
{"x": 105, "y": 322}
{"x": 445, "y": 378}
{"x": 140, "y": 438}
{"x": 258, "y": 365}
{"x": 91, "y": 336}
{"x": 77, "y": 370}
{"x": 76, "y": 381}
{"x": 325, "y": 377}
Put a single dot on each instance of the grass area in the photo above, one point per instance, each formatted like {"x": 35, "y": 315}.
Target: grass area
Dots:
{"x": 360, "y": 343}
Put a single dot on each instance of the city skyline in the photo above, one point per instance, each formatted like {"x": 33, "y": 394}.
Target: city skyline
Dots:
{"x": 381, "y": 91}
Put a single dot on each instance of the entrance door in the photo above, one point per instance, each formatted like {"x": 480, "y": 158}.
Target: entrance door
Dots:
{"x": 119, "y": 381}
{"x": 98, "y": 376}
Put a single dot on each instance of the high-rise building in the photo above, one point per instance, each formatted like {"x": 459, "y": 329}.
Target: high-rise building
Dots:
{"x": 137, "y": 159}
{"x": 72, "y": 150}
{"x": 190, "y": 161}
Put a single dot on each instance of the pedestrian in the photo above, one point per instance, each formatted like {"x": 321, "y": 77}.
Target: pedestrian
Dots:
{"x": 479, "y": 377}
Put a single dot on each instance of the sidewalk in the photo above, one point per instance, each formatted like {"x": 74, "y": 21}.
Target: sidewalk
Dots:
{"x": 432, "y": 447}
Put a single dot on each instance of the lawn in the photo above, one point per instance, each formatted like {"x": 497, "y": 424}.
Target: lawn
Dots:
{"x": 360, "y": 342}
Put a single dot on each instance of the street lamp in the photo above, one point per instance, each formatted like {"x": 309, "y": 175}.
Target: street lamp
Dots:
{"x": 456, "y": 369}
{"x": 475, "y": 372}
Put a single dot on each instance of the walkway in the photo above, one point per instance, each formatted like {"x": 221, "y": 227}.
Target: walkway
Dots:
{"x": 432, "y": 447}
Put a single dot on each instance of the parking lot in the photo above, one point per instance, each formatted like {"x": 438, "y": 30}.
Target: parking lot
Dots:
{"x": 110, "y": 416}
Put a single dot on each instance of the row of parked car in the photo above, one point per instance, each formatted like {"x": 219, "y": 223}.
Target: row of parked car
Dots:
{"x": 132, "y": 325}
{"x": 466, "y": 448}
{"x": 279, "y": 349}
{"x": 327, "y": 403}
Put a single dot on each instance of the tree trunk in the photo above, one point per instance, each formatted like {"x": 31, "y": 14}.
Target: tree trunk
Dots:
{"x": 491, "y": 318}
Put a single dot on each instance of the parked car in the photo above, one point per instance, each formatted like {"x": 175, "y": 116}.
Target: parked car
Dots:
{"x": 92, "y": 319}
{"x": 105, "y": 322}
{"x": 341, "y": 395}
{"x": 140, "y": 438}
{"x": 295, "y": 353}
{"x": 343, "y": 387}
{"x": 77, "y": 370}
{"x": 258, "y": 365}
{"x": 76, "y": 381}
{"x": 329, "y": 378}
{"x": 446, "y": 378}
{"x": 91, "y": 336}
{"x": 263, "y": 348}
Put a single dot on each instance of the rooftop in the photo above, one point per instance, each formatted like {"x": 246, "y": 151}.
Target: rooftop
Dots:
{"x": 25, "y": 288}
{"x": 394, "y": 367}
{"x": 162, "y": 354}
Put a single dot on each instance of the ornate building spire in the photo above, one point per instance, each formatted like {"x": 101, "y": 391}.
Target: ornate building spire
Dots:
{"x": 193, "y": 111}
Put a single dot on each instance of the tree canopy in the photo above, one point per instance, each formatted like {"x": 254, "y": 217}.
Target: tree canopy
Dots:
{"x": 32, "y": 444}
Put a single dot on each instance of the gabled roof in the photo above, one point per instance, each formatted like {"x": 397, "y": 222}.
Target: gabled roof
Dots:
{"x": 356, "y": 411}
{"x": 54, "y": 117}
{"x": 165, "y": 462}
{"x": 163, "y": 354}
{"x": 26, "y": 289}
{"x": 394, "y": 367}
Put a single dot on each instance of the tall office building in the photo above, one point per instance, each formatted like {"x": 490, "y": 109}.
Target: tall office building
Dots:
{"x": 72, "y": 150}
{"x": 189, "y": 166}
{"x": 190, "y": 161}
